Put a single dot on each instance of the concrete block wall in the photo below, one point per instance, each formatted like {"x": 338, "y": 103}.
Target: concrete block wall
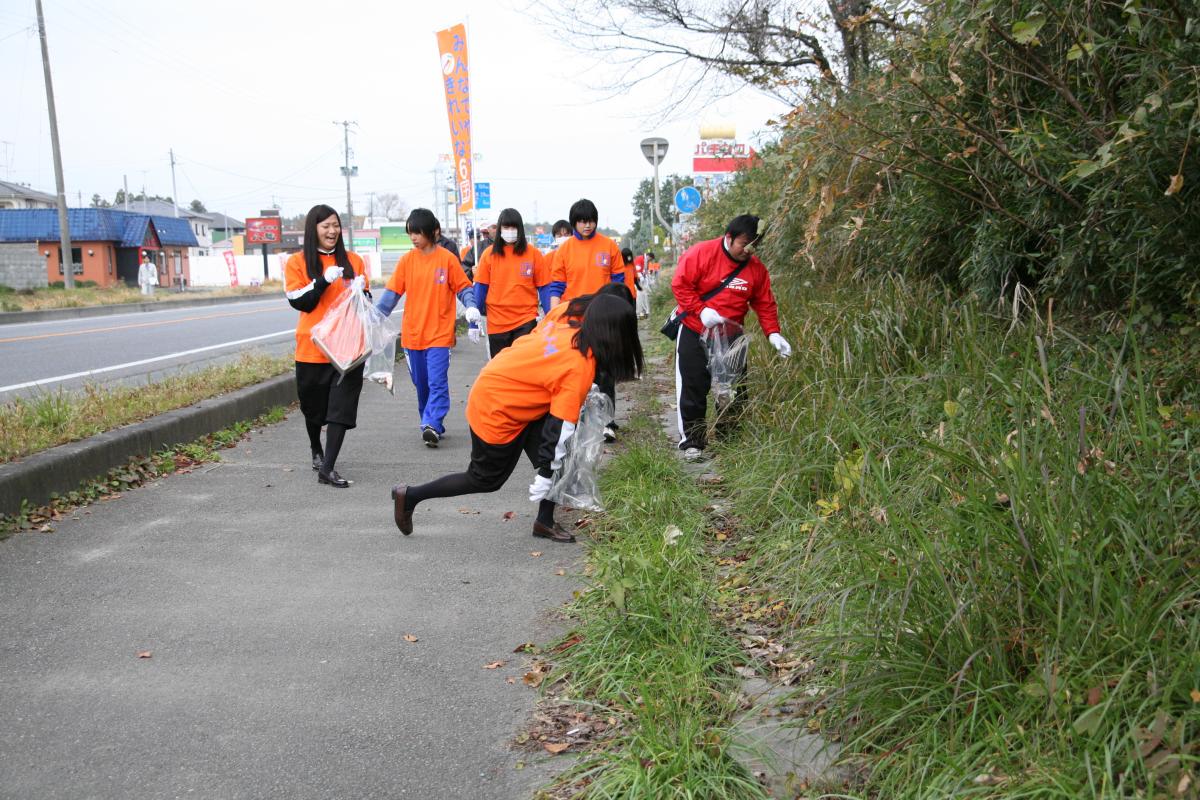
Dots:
{"x": 22, "y": 266}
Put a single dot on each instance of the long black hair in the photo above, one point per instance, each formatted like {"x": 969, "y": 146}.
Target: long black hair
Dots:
{"x": 510, "y": 218}
{"x": 312, "y": 258}
{"x": 578, "y": 305}
{"x": 609, "y": 334}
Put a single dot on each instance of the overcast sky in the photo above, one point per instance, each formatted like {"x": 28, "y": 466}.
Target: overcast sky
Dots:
{"x": 246, "y": 93}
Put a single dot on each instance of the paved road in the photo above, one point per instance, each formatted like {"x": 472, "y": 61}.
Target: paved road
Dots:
{"x": 275, "y": 611}
{"x": 64, "y": 354}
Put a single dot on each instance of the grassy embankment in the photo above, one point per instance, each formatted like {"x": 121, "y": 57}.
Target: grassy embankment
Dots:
{"x": 984, "y": 537}
{"x": 57, "y": 297}
{"x": 29, "y": 425}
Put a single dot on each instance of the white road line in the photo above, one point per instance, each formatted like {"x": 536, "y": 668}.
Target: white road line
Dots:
{"x": 86, "y": 373}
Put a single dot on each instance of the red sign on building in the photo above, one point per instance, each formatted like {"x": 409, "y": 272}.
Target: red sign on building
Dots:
{"x": 264, "y": 230}
{"x": 722, "y": 156}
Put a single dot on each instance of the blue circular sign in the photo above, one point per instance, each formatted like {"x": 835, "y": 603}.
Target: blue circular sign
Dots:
{"x": 687, "y": 200}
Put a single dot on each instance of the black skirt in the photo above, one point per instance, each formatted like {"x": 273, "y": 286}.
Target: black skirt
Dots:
{"x": 327, "y": 396}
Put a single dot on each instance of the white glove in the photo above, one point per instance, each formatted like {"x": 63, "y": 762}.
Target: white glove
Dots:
{"x": 780, "y": 344}
{"x": 472, "y": 315}
{"x": 709, "y": 318}
{"x": 358, "y": 283}
{"x": 332, "y": 273}
{"x": 539, "y": 489}
{"x": 474, "y": 334}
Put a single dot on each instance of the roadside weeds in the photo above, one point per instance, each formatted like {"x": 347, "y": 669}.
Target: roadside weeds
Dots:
{"x": 30, "y": 425}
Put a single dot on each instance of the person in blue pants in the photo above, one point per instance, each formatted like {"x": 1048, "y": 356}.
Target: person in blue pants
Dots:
{"x": 430, "y": 278}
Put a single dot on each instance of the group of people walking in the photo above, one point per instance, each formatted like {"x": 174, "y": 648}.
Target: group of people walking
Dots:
{"x": 557, "y": 324}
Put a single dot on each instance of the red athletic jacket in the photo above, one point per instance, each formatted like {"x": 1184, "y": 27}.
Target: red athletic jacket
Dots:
{"x": 704, "y": 266}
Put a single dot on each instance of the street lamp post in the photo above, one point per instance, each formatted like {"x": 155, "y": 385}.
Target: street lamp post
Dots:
{"x": 654, "y": 149}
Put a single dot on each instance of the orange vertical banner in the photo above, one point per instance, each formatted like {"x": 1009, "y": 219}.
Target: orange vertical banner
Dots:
{"x": 452, "y": 46}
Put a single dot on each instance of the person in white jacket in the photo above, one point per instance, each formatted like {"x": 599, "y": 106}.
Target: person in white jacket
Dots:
{"x": 147, "y": 275}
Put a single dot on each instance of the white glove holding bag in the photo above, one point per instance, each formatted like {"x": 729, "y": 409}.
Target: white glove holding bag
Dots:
{"x": 539, "y": 489}
{"x": 332, "y": 273}
{"x": 780, "y": 344}
{"x": 710, "y": 318}
{"x": 358, "y": 283}
{"x": 472, "y": 315}
{"x": 475, "y": 335}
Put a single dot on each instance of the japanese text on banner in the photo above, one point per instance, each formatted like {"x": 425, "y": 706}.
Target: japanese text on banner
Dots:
{"x": 452, "y": 46}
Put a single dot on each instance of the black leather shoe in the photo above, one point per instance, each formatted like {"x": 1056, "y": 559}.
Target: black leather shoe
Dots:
{"x": 332, "y": 478}
{"x": 554, "y": 534}
{"x": 318, "y": 461}
{"x": 403, "y": 518}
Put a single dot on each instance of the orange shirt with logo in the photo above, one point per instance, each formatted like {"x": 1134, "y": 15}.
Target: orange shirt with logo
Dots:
{"x": 295, "y": 278}
{"x": 429, "y": 283}
{"x": 585, "y": 265}
{"x": 538, "y": 374}
{"x": 512, "y": 280}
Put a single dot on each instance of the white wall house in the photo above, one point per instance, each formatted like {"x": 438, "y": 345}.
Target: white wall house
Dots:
{"x": 16, "y": 195}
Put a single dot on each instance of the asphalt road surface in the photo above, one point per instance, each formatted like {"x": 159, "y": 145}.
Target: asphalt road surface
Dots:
{"x": 244, "y": 632}
{"x": 38, "y": 357}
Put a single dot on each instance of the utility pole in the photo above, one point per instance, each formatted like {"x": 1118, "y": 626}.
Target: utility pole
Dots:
{"x": 64, "y": 229}
{"x": 349, "y": 173}
{"x": 125, "y": 178}
{"x": 174, "y": 191}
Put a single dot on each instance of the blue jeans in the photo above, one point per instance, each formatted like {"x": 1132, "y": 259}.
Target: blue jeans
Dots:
{"x": 429, "y": 370}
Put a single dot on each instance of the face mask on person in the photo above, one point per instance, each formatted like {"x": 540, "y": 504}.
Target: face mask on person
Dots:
{"x": 509, "y": 235}
{"x": 559, "y": 240}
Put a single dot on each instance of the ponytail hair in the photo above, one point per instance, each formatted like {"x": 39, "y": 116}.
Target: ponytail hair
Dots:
{"x": 609, "y": 334}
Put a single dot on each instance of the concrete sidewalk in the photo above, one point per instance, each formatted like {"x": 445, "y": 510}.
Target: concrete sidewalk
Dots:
{"x": 275, "y": 610}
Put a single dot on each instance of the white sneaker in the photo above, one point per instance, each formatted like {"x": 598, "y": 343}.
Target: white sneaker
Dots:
{"x": 693, "y": 454}
{"x": 610, "y": 433}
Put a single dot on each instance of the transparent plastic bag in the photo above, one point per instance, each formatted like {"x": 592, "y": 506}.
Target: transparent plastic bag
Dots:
{"x": 341, "y": 334}
{"x": 575, "y": 480}
{"x": 353, "y": 331}
{"x": 726, "y": 347}
{"x": 381, "y": 364}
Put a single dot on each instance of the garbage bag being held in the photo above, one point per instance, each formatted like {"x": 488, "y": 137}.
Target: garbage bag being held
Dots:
{"x": 575, "y": 481}
{"x": 382, "y": 334}
{"x": 726, "y": 347}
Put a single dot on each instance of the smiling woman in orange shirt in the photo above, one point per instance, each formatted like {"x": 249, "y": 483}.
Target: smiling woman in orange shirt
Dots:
{"x": 527, "y": 399}
{"x": 511, "y": 277}
{"x": 314, "y": 279}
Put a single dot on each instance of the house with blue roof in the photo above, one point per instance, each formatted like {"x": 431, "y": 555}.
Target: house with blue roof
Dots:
{"x": 107, "y": 244}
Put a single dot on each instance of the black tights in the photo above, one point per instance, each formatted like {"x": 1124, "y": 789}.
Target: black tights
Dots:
{"x": 334, "y": 434}
{"x": 314, "y": 436}
{"x": 462, "y": 483}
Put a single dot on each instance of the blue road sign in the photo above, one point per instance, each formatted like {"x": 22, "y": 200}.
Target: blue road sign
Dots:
{"x": 687, "y": 200}
{"x": 483, "y": 196}
{"x": 544, "y": 240}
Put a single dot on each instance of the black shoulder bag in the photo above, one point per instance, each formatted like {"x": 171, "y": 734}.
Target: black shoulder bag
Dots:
{"x": 670, "y": 328}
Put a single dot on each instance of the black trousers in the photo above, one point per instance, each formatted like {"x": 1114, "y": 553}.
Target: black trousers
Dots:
{"x": 490, "y": 468}
{"x": 499, "y": 341}
{"x": 692, "y": 384}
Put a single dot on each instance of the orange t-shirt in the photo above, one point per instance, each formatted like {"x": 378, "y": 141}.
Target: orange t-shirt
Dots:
{"x": 631, "y": 280}
{"x": 430, "y": 282}
{"x": 296, "y": 279}
{"x": 585, "y": 265}
{"x": 512, "y": 280}
{"x": 538, "y": 374}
